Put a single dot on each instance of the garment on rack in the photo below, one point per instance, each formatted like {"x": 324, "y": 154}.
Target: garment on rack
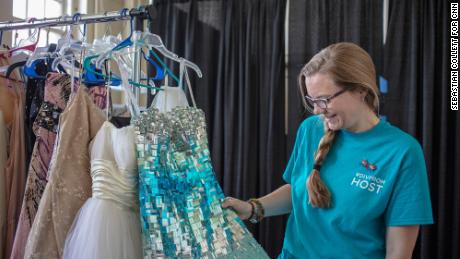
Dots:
{"x": 99, "y": 96}
{"x": 45, "y": 128}
{"x": 7, "y": 94}
{"x": 3, "y": 157}
{"x": 35, "y": 91}
{"x": 7, "y": 101}
{"x": 35, "y": 88}
{"x": 107, "y": 226}
{"x": 69, "y": 184}
{"x": 15, "y": 169}
{"x": 180, "y": 198}
{"x": 5, "y": 61}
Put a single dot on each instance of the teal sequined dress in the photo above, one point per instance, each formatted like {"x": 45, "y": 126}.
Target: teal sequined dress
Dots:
{"x": 180, "y": 198}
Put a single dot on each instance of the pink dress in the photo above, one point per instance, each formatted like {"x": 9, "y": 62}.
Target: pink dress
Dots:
{"x": 57, "y": 91}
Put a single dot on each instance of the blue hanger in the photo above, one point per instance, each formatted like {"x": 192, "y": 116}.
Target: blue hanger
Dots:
{"x": 30, "y": 72}
{"x": 94, "y": 76}
{"x": 31, "y": 69}
{"x": 160, "y": 73}
{"x": 126, "y": 42}
{"x": 170, "y": 73}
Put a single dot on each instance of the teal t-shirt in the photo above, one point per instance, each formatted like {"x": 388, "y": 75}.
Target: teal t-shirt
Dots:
{"x": 366, "y": 199}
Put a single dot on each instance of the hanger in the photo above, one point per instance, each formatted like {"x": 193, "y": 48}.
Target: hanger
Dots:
{"x": 91, "y": 68}
{"x": 75, "y": 47}
{"x": 19, "y": 59}
{"x": 91, "y": 72}
{"x": 12, "y": 67}
{"x": 30, "y": 47}
{"x": 10, "y": 70}
{"x": 46, "y": 53}
{"x": 151, "y": 40}
{"x": 154, "y": 41}
{"x": 66, "y": 57}
{"x": 165, "y": 67}
{"x": 30, "y": 68}
{"x": 68, "y": 39}
{"x": 93, "y": 75}
{"x": 124, "y": 44}
{"x": 160, "y": 73}
{"x": 43, "y": 55}
{"x": 87, "y": 64}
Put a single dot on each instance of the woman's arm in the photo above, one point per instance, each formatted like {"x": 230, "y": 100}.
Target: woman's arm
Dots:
{"x": 400, "y": 241}
{"x": 276, "y": 203}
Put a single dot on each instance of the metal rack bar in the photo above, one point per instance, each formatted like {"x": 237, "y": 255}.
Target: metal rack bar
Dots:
{"x": 76, "y": 19}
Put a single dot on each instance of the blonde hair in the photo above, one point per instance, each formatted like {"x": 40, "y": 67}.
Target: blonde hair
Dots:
{"x": 350, "y": 67}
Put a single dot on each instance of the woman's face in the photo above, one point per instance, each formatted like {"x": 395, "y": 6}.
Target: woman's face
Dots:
{"x": 343, "y": 111}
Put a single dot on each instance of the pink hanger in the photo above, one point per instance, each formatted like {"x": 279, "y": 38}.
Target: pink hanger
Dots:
{"x": 31, "y": 47}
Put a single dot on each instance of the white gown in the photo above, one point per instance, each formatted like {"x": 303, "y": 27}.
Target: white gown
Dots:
{"x": 108, "y": 225}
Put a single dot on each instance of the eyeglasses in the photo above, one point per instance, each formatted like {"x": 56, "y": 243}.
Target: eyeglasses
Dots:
{"x": 321, "y": 102}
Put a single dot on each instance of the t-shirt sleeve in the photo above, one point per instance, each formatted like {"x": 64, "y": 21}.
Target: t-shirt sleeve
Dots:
{"x": 295, "y": 152}
{"x": 410, "y": 202}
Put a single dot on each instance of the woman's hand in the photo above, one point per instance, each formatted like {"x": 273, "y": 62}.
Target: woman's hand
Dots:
{"x": 242, "y": 208}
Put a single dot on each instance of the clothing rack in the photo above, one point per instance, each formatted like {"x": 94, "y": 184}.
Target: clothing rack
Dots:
{"x": 141, "y": 13}
{"x": 138, "y": 15}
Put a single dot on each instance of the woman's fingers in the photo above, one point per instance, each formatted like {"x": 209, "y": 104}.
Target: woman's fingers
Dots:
{"x": 242, "y": 208}
{"x": 228, "y": 202}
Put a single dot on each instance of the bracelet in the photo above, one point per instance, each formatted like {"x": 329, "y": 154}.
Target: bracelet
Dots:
{"x": 252, "y": 210}
{"x": 253, "y": 217}
{"x": 259, "y": 211}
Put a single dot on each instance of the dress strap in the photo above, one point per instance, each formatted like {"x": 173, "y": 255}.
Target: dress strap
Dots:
{"x": 130, "y": 99}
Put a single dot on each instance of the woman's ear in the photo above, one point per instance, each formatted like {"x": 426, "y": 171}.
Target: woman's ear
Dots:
{"x": 359, "y": 94}
{"x": 362, "y": 95}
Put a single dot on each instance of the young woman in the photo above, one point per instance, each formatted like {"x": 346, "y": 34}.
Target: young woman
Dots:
{"x": 357, "y": 186}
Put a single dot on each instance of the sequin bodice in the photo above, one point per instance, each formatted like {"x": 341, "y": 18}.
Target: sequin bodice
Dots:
{"x": 180, "y": 198}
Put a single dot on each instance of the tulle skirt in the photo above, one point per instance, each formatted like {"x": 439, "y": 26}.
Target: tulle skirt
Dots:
{"x": 104, "y": 230}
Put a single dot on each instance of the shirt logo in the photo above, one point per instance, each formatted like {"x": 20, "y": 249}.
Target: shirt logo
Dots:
{"x": 368, "y": 165}
{"x": 368, "y": 182}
